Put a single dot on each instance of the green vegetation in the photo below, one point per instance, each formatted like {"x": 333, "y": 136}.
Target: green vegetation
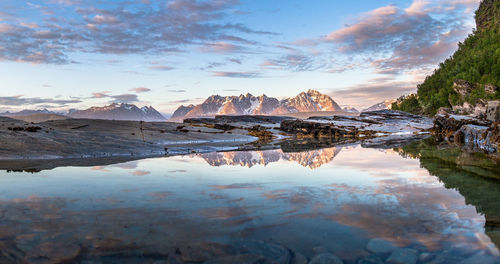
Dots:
{"x": 477, "y": 61}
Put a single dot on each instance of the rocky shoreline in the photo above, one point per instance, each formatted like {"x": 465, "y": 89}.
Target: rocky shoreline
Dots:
{"x": 87, "y": 139}
{"x": 473, "y": 133}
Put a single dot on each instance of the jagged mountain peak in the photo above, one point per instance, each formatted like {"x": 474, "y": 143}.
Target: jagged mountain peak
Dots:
{"x": 248, "y": 104}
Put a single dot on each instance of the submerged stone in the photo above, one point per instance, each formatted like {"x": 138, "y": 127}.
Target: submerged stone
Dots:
{"x": 326, "y": 258}
{"x": 379, "y": 245}
{"x": 403, "y": 256}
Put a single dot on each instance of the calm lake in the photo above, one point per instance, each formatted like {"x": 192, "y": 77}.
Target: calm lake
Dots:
{"x": 360, "y": 204}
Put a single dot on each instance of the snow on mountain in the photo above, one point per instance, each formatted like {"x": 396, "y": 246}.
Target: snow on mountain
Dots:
{"x": 310, "y": 101}
{"x": 119, "y": 112}
{"x": 380, "y": 106}
{"x": 350, "y": 109}
{"x": 28, "y": 112}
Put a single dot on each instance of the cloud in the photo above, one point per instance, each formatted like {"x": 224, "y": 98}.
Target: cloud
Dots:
{"x": 161, "y": 67}
{"x": 176, "y": 91}
{"x": 375, "y": 91}
{"x": 20, "y": 100}
{"x": 118, "y": 27}
{"x": 100, "y": 94}
{"x": 293, "y": 62}
{"x": 235, "y": 60}
{"x": 422, "y": 34}
{"x": 237, "y": 74}
{"x": 140, "y": 90}
{"x": 124, "y": 98}
{"x": 221, "y": 47}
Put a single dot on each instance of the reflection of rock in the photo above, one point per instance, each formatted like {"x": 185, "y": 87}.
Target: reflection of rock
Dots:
{"x": 312, "y": 159}
{"x": 457, "y": 170}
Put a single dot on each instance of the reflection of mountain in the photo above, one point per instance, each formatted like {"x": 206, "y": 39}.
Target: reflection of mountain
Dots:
{"x": 311, "y": 159}
{"x": 472, "y": 174}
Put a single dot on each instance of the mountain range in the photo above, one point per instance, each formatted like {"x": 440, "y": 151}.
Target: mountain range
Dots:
{"x": 119, "y": 112}
{"x": 386, "y": 104}
{"x": 305, "y": 102}
{"x": 310, "y": 101}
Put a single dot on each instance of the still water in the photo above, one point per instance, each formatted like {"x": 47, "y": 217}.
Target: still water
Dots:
{"x": 360, "y": 204}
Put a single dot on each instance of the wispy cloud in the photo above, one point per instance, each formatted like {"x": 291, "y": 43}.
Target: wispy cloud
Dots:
{"x": 100, "y": 94}
{"x": 124, "y": 98}
{"x": 422, "y": 34}
{"x": 237, "y": 74}
{"x": 176, "y": 91}
{"x": 119, "y": 27}
{"x": 21, "y": 100}
{"x": 140, "y": 90}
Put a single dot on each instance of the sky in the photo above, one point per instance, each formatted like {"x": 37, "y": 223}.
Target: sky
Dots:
{"x": 73, "y": 54}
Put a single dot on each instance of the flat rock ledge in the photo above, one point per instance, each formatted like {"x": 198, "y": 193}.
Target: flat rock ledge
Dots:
{"x": 472, "y": 132}
{"x": 368, "y": 125}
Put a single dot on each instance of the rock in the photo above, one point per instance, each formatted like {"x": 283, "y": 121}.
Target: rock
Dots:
{"x": 298, "y": 259}
{"x": 370, "y": 260}
{"x": 273, "y": 252}
{"x": 426, "y": 257}
{"x": 464, "y": 109}
{"x": 493, "y": 111}
{"x": 446, "y": 125}
{"x": 203, "y": 251}
{"x": 403, "y": 256}
{"x": 242, "y": 259}
{"x": 444, "y": 111}
{"x": 462, "y": 87}
{"x": 378, "y": 245}
{"x": 54, "y": 252}
{"x": 490, "y": 89}
{"x": 326, "y": 258}
{"x": 479, "y": 258}
{"x": 445, "y": 258}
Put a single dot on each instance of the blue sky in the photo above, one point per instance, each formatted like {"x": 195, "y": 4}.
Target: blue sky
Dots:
{"x": 63, "y": 54}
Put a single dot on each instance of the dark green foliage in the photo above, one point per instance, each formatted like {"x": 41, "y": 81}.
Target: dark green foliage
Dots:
{"x": 477, "y": 60}
{"x": 409, "y": 104}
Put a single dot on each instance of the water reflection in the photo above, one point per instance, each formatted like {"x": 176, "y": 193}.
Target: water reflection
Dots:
{"x": 273, "y": 204}
{"x": 311, "y": 159}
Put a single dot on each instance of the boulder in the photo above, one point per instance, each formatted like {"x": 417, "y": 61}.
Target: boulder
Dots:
{"x": 463, "y": 87}
{"x": 326, "y": 258}
{"x": 493, "y": 111}
{"x": 444, "y": 111}
{"x": 378, "y": 245}
{"x": 403, "y": 256}
{"x": 490, "y": 89}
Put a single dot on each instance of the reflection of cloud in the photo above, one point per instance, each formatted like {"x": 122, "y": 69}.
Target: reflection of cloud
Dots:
{"x": 100, "y": 168}
{"x": 222, "y": 213}
{"x": 237, "y": 186}
{"x": 160, "y": 196}
{"x": 140, "y": 173}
